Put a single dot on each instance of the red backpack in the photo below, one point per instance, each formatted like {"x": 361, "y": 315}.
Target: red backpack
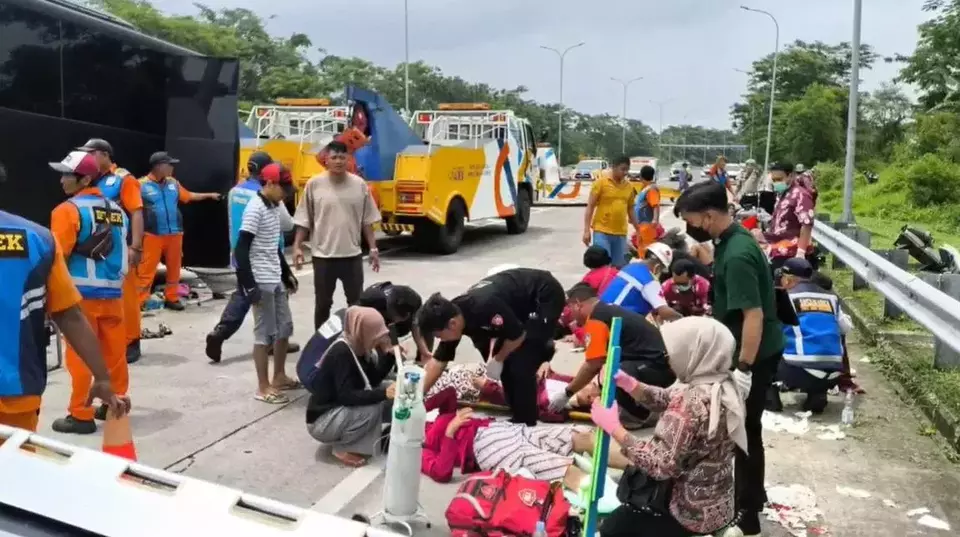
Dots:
{"x": 497, "y": 504}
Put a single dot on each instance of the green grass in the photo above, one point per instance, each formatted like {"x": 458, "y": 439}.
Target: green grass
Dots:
{"x": 869, "y": 303}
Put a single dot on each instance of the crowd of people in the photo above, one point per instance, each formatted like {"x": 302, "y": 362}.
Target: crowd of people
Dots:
{"x": 712, "y": 317}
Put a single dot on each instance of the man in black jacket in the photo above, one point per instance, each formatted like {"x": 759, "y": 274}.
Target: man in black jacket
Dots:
{"x": 397, "y": 304}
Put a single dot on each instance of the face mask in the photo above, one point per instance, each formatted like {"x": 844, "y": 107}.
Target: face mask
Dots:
{"x": 780, "y": 188}
{"x": 683, "y": 288}
{"x": 698, "y": 233}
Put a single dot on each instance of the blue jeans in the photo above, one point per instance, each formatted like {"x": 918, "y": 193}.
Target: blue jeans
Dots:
{"x": 615, "y": 245}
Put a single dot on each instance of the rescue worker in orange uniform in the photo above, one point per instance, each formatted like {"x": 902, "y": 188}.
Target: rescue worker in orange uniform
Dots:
{"x": 120, "y": 186}
{"x": 32, "y": 266}
{"x": 92, "y": 230}
{"x": 163, "y": 227}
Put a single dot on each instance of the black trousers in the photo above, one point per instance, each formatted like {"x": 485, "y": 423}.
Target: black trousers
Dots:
{"x": 326, "y": 273}
{"x": 646, "y": 373}
{"x": 519, "y": 378}
{"x": 750, "y": 470}
{"x": 236, "y": 310}
{"x": 626, "y": 521}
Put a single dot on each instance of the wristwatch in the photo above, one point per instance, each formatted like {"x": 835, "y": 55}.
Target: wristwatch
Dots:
{"x": 743, "y": 366}
{"x": 374, "y": 250}
{"x": 567, "y": 392}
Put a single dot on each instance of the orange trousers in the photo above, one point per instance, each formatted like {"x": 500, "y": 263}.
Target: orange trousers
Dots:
{"x": 28, "y": 420}
{"x": 170, "y": 247}
{"x": 106, "y": 319}
{"x": 131, "y": 306}
{"x": 646, "y": 235}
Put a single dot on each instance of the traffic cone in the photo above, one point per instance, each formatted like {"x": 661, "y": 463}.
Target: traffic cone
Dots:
{"x": 118, "y": 438}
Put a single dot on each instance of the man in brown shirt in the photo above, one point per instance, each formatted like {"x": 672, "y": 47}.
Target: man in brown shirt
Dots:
{"x": 336, "y": 212}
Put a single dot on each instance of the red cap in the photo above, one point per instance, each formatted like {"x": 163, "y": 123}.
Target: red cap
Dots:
{"x": 80, "y": 163}
{"x": 275, "y": 173}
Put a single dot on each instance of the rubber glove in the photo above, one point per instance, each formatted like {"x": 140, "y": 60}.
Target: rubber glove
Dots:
{"x": 494, "y": 369}
{"x": 607, "y": 419}
{"x": 743, "y": 380}
{"x": 559, "y": 400}
{"x": 625, "y": 382}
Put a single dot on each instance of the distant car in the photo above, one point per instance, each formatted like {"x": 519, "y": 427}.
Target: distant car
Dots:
{"x": 589, "y": 169}
{"x": 675, "y": 169}
{"x": 733, "y": 170}
{"x": 637, "y": 164}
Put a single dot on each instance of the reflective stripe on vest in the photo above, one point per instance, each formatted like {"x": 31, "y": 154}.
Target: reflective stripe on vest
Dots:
{"x": 26, "y": 256}
{"x": 161, "y": 206}
{"x": 99, "y": 279}
{"x": 625, "y": 290}
{"x": 815, "y": 343}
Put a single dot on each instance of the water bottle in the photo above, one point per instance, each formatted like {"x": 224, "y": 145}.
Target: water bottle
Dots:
{"x": 541, "y": 530}
{"x": 846, "y": 417}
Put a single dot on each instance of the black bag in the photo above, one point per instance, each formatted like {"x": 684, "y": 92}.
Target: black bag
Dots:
{"x": 640, "y": 491}
{"x": 100, "y": 242}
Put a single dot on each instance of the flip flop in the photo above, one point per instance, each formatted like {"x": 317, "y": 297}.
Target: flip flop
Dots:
{"x": 272, "y": 398}
{"x": 292, "y": 385}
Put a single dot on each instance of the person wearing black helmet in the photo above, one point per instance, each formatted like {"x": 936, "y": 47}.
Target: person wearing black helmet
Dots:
{"x": 238, "y": 306}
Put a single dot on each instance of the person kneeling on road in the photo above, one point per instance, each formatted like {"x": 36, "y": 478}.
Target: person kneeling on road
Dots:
{"x": 348, "y": 405}
{"x": 813, "y": 356}
{"x": 265, "y": 280}
{"x": 518, "y": 308}
{"x": 643, "y": 354}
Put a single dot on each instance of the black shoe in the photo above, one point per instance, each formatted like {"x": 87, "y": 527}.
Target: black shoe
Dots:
{"x": 101, "y": 413}
{"x": 749, "y": 523}
{"x": 133, "y": 352}
{"x": 773, "y": 402}
{"x": 816, "y": 402}
{"x": 214, "y": 346}
{"x": 175, "y": 306}
{"x": 71, "y": 425}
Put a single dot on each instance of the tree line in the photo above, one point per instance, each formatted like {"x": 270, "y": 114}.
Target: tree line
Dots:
{"x": 272, "y": 67}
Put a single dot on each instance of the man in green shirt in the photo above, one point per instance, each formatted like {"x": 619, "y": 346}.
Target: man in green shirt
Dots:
{"x": 745, "y": 302}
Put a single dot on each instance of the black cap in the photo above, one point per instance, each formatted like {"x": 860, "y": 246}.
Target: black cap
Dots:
{"x": 784, "y": 166}
{"x": 162, "y": 157}
{"x": 97, "y": 144}
{"x": 258, "y": 161}
{"x": 798, "y": 267}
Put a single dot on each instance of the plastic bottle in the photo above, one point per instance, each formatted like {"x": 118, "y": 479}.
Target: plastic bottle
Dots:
{"x": 846, "y": 416}
{"x": 541, "y": 530}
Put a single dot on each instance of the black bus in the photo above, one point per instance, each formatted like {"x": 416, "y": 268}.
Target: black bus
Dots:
{"x": 68, "y": 74}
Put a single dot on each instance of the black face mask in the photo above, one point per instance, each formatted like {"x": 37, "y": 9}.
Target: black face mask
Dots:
{"x": 698, "y": 233}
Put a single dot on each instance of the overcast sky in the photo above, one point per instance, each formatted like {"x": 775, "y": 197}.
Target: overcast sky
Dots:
{"x": 686, "y": 50}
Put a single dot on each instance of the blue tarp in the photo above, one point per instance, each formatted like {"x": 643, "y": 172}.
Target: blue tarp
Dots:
{"x": 389, "y": 135}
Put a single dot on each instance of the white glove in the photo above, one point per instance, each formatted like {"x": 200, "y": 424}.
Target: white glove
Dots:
{"x": 494, "y": 369}
{"x": 743, "y": 381}
{"x": 559, "y": 400}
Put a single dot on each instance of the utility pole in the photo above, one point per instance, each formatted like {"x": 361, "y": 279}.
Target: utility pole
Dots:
{"x": 849, "y": 166}
{"x": 626, "y": 86}
{"x": 660, "y": 135}
{"x": 562, "y": 55}
{"x": 773, "y": 83}
{"x": 406, "y": 56}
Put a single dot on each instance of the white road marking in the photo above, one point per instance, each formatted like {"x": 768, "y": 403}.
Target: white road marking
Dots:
{"x": 352, "y": 486}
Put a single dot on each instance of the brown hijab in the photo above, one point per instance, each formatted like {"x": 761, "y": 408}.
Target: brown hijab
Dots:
{"x": 363, "y": 327}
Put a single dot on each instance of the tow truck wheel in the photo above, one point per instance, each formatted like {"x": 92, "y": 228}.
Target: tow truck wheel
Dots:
{"x": 518, "y": 223}
{"x": 450, "y": 235}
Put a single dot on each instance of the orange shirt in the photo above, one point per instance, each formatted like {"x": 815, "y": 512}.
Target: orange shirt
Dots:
{"x": 130, "y": 198}
{"x": 596, "y": 340}
{"x": 61, "y": 296}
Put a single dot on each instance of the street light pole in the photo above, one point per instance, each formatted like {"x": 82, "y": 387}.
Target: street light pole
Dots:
{"x": 660, "y": 135}
{"x": 626, "y": 85}
{"x": 854, "y": 103}
{"x": 406, "y": 55}
{"x": 773, "y": 82}
{"x": 562, "y": 55}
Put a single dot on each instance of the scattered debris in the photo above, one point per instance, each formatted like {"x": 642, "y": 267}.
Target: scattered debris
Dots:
{"x": 830, "y": 432}
{"x": 890, "y": 503}
{"x": 918, "y": 511}
{"x": 933, "y": 522}
{"x": 780, "y": 423}
{"x": 794, "y": 507}
{"x": 865, "y": 360}
{"x": 853, "y": 493}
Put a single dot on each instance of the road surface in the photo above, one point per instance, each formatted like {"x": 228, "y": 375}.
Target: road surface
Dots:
{"x": 201, "y": 419}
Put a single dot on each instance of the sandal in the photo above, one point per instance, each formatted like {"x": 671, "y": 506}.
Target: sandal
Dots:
{"x": 292, "y": 385}
{"x": 272, "y": 398}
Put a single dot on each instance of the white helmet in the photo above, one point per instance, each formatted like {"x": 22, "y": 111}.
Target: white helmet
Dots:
{"x": 662, "y": 252}
{"x": 501, "y": 268}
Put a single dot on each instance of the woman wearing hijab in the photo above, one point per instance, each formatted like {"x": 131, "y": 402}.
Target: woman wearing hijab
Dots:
{"x": 347, "y": 404}
{"x": 692, "y": 446}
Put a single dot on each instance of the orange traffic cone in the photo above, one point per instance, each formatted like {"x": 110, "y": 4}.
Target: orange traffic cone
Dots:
{"x": 118, "y": 438}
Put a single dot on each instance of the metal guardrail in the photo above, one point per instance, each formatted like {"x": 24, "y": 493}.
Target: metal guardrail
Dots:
{"x": 933, "y": 309}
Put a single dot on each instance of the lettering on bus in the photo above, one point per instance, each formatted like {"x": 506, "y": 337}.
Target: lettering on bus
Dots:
{"x": 457, "y": 174}
{"x": 475, "y": 171}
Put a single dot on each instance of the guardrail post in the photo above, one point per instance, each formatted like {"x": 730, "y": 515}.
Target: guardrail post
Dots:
{"x": 862, "y": 236}
{"x": 901, "y": 259}
{"x": 823, "y": 217}
{"x": 837, "y": 264}
{"x": 943, "y": 356}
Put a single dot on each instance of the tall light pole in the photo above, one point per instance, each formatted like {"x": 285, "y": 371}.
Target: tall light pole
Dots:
{"x": 848, "y": 169}
{"x": 660, "y": 135}
{"x": 773, "y": 82}
{"x": 562, "y": 55}
{"x": 752, "y": 110}
{"x": 626, "y": 86}
{"x": 406, "y": 55}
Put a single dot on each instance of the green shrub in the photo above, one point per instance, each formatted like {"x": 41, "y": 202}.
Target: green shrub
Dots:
{"x": 829, "y": 176}
{"x": 931, "y": 180}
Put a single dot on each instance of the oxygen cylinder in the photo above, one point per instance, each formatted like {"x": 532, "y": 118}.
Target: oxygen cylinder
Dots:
{"x": 402, "y": 483}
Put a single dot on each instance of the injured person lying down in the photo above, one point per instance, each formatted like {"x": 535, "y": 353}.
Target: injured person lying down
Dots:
{"x": 472, "y": 386}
